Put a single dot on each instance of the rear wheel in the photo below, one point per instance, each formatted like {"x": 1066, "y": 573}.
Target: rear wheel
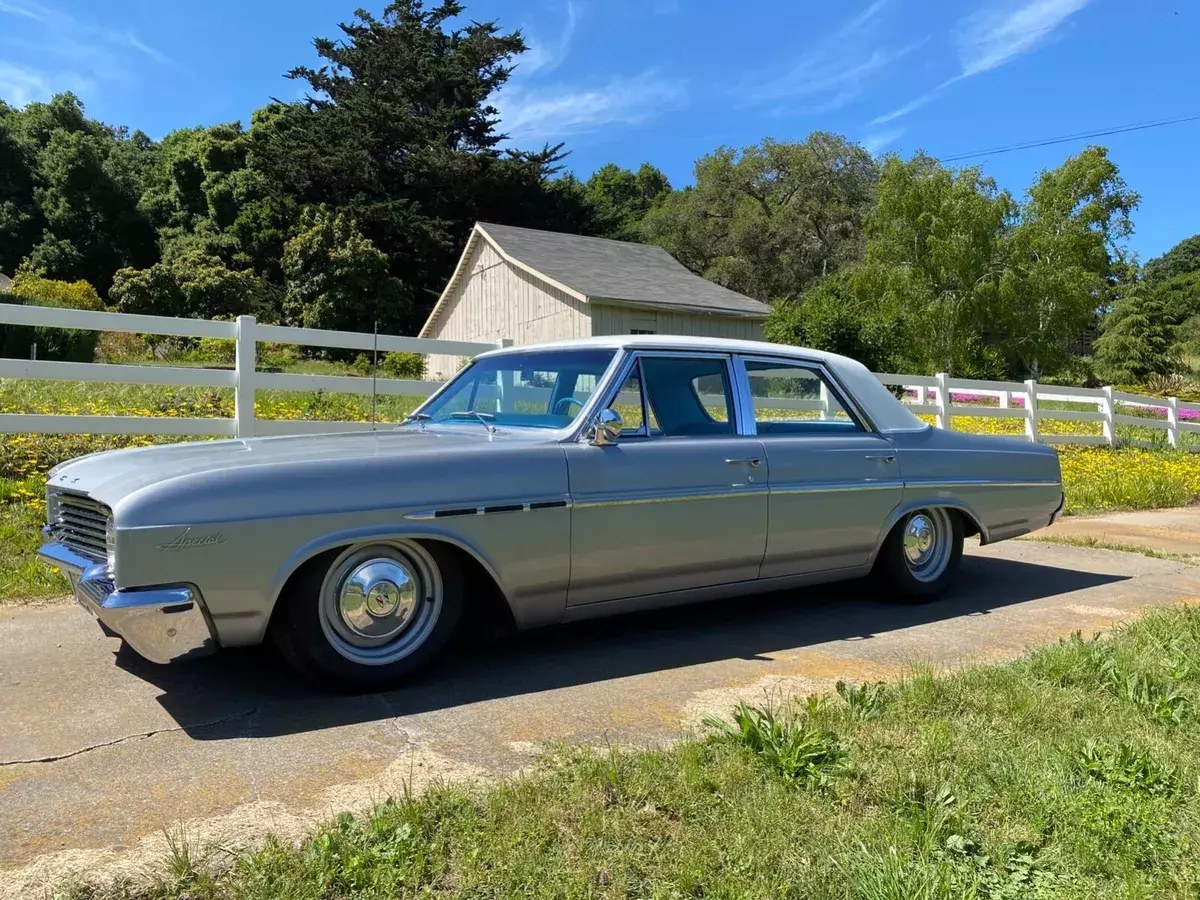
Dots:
{"x": 920, "y": 557}
{"x": 368, "y": 616}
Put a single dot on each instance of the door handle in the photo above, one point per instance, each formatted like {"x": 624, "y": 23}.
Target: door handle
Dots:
{"x": 752, "y": 463}
{"x": 882, "y": 457}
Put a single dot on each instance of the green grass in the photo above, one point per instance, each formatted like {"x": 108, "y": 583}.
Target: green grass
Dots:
{"x": 22, "y": 575}
{"x": 1071, "y": 774}
{"x": 1096, "y": 543}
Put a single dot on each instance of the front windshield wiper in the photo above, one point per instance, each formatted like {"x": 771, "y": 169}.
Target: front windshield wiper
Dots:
{"x": 421, "y": 418}
{"x": 481, "y": 417}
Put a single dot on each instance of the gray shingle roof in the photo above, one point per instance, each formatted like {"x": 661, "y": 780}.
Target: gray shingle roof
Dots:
{"x": 601, "y": 269}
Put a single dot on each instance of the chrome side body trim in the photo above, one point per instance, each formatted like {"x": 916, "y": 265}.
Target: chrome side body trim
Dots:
{"x": 673, "y": 497}
{"x": 163, "y": 624}
{"x": 525, "y": 506}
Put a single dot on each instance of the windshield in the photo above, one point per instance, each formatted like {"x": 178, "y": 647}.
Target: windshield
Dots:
{"x": 538, "y": 389}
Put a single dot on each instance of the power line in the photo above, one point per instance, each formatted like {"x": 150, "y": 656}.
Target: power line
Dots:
{"x": 1029, "y": 145}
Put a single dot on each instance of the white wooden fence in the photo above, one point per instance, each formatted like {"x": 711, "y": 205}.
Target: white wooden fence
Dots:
{"x": 244, "y": 378}
{"x": 933, "y": 395}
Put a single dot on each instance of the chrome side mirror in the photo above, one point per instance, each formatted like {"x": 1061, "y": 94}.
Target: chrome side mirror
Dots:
{"x": 606, "y": 428}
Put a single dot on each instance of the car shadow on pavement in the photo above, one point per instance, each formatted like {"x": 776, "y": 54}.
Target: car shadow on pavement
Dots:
{"x": 252, "y": 692}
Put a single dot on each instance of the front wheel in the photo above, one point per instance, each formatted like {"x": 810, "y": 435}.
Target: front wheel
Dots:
{"x": 366, "y": 617}
{"x": 920, "y": 556}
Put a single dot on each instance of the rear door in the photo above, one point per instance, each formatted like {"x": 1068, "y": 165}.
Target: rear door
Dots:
{"x": 833, "y": 482}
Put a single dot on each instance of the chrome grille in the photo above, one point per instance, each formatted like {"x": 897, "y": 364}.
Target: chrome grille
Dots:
{"x": 80, "y": 523}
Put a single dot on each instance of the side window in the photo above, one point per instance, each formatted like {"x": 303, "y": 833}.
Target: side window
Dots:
{"x": 630, "y": 403}
{"x": 790, "y": 399}
{"x": 688, "y": 397}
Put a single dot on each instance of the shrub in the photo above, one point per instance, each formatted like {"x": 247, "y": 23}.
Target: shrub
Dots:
{"x": 405, "y": 366}
{"x": 66, "y": 344}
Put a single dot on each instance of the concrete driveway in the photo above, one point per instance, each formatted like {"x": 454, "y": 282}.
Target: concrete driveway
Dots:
{"x": 101, "y": 751}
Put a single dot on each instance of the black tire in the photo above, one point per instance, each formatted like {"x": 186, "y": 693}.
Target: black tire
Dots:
{"x": 906, "y": 582}
{"x": 311, "y": 645}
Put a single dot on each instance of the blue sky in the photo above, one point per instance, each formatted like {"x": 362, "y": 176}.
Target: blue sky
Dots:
{"x": 669, "y": 80}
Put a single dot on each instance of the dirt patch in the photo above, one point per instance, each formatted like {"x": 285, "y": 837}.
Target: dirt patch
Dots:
{"x": 244, "y": 827}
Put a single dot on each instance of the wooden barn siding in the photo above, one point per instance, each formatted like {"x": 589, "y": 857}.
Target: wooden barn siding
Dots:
{"x": 497, "y": 300}
{"x": 619, "y": 320}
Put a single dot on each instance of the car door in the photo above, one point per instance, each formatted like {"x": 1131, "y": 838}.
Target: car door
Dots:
{"x": 833, "y": 481}
{"x": 679, "y": 501}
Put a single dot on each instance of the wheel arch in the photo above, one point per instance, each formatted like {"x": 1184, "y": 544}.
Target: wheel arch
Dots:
{"x": 972, "y": 523}
{"x": 472, "y": 556}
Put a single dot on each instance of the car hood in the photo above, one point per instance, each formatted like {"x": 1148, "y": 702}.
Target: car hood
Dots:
{"x": 115, "y": 474}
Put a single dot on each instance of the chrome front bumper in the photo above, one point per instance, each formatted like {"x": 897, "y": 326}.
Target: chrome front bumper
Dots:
{"x": 165, "y": 624}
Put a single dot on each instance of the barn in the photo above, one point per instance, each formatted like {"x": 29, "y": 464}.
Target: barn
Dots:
{"x": 529, "y": 286}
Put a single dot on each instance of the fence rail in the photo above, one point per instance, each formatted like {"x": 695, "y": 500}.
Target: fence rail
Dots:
{"x": 246, "y": 333}
{"x": 933, "y": 395}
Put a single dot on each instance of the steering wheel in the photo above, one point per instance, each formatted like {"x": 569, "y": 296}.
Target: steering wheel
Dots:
{"x": 559, "y": 406}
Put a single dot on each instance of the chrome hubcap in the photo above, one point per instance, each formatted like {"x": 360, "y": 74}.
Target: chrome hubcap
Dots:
{"x": 918, "y": 539}
{"x": 379, "y": 602}
{"x": 378, "y": 597}
{"x": 928, "y": 539}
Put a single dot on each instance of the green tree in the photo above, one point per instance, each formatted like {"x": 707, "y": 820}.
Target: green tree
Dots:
{"x": 1137, "y": 339}
{"x": 1066, "y": 261}
{"x": 620, "y": 199}
{"x": 770, "y": 219}
{"x": 194, "y": 284}
{"x": 336, "y": 278}
{"x": 1182, "y": 259}
{"x": 936, "y": 248}
{"x": 88, "y": 182}
{"x": 847, "y": 314}
{"x": 400, "y": 132}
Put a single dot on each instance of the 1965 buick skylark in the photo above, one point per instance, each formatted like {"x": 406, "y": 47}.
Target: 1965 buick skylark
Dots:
{"x": 567, "y": 480}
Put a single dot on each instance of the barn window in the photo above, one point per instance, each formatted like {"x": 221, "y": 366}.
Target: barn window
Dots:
{"x": 643, "y": 323}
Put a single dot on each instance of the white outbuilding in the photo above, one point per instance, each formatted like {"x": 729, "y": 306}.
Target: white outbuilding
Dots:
{"x": 530, "y": 286}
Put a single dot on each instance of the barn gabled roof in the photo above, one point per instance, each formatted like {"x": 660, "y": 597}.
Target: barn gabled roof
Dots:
{"x": 597, "y": 269}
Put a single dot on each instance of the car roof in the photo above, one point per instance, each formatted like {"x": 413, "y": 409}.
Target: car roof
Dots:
{"x": 676, "y": 342}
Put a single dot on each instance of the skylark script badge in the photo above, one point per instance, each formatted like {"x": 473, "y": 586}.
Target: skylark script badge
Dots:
{"x": 186, "y": 542}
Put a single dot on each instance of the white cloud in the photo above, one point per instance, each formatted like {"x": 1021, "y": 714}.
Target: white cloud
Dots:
{"x": 551, "y": 113}
{"x": 837, "y": 69}
{"x": 49, "y": 50}
{"x": 155, "y": 55}
{"x": 991, "y": 38}
{"x": 913, "y": 105}
{"x": 20, "y": 85}
{"x": 545, "y": 57}
{"x": 879, "y": 140}
{"x": 25, "y": 10}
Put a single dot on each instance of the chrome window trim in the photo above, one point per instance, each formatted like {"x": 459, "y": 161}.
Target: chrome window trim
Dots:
{"x": 633, "y": 358}
{"x": 843, "y": 396}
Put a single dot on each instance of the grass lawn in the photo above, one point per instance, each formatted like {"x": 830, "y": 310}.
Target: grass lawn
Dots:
{"x": 1071, "y": 774}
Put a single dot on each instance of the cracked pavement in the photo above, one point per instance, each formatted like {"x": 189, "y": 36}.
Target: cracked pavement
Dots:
{"x": 101, "y": 751}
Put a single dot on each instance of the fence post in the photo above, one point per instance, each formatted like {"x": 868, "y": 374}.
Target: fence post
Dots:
{"x": 1110, "y": 409}
{"x": 1173, "y": 421}
{"x": 943, "y": 401}
{"x": 245, "y": 365}
{"x": 1031, "y": 410}
{"x": 1004, "y": 399}
{"x": 824, "y": 401}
